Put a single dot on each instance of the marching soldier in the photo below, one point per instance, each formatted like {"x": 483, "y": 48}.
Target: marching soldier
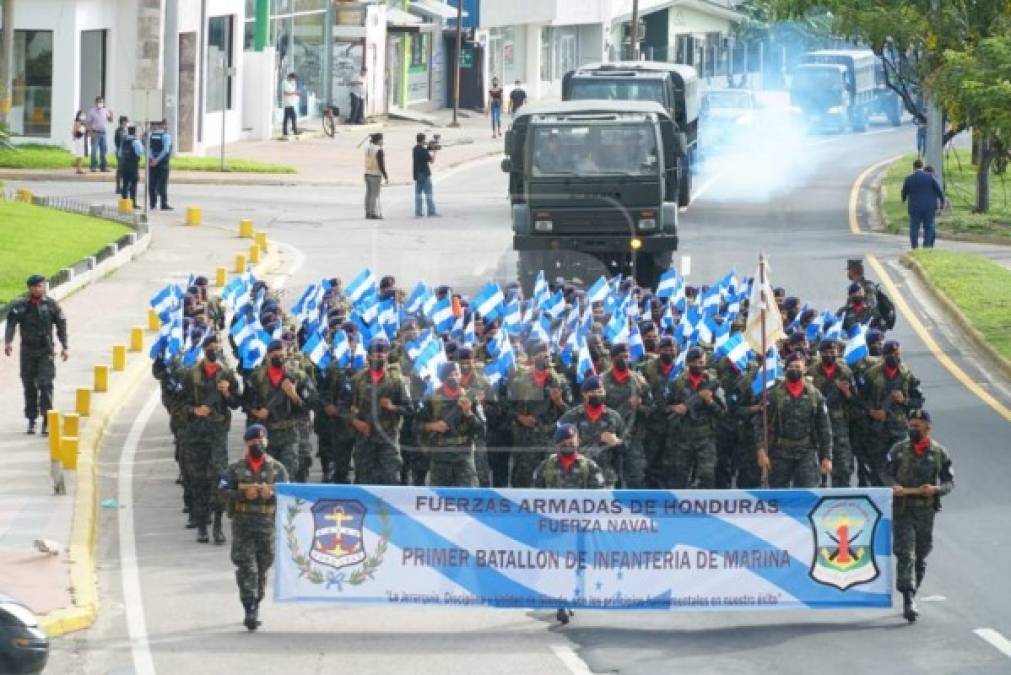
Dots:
{"x": 835, "y": 382}
{"x": 731, "y": 380}
{"x": 890, "y": 393}
{"x": 600, "y": 428}
{"x": 697, "y": 402}
{"x": 480, "y": 391}
{"x": 333, "y": 425}
{"x": 210, "y": 391}
{"x": 540, "y": 397}
{"x": 861, "y": 441}
{"x": 37, "y": 315}
{"x": 450, "y": 425}
{"x": 918, "y": 469}
{"x": 248, "y": 488}
{"x": 857, "y": 310}
{"x": 380, "y": 401}
{"x": 800, "y": 434}
{"x": 628, "y": 393}
{"x": 296, "y": 360}
{"x": 657, "y": 372}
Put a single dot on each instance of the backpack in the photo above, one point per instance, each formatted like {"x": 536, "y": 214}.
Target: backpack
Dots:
{"x": 885, "y": 308}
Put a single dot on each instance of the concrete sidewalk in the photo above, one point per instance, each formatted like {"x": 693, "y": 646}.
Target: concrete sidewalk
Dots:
{"x": 98, "y": 316}
{"x": 325, "y": 161}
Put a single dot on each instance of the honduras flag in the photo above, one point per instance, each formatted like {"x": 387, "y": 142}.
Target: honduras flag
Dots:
{"x": 636, "y": 348}
{"x": 417, "y": 299}
{"x": 318, "y": 350}
{"x": 541, "y": 291}
{"x": 598, "y": 291}
{"x": 166, "y": 300}
{"x": 340, "y": 348}
{"x": 813, "y": 329}
{"x": 856, "y": 347}
{"x": 498, "y": 370}
{"x": 735, "y": 348}
{"x": 772, "y": 371}
{"x": 584, "y": 364}
{"x": 488, "y": 301}
{"x": 360, "y": 286}
{"x": 669, "y": 282}
{"x": 512, "y": 317}
{"x": 442, "y": 316}
{"x": 254, "y": 349}
{"x": 495, "y": 345}
{"x": 554, "y": 305}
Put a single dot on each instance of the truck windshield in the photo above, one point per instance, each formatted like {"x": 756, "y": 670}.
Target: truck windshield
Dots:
{"x": 816, "y": 79}
{"x": 625, "y": 89}
{"x": 594, "y": 150}
{"x": 717, "y": 100}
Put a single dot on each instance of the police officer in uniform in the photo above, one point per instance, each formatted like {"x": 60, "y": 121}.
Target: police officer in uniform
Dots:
{"x": 37, "y": 315}
{"x": 130, "y": 152}
{"x": 160, "y": 147}
{"x": 248, "y": 488}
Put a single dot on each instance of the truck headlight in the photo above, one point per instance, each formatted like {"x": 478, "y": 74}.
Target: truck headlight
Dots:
{"x": 836, "y": 110}
{"x": 542, "y": 225}
{"x": 743, "y": 121}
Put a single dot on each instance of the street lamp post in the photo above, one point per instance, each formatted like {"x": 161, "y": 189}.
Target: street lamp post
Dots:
{"x": 456, "y": 64}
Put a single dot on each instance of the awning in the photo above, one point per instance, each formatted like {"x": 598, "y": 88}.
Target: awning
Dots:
{"x": 399, "y": 21}
{"x": 435, "y": 8}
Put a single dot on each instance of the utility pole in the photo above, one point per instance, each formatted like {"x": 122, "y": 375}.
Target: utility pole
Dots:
{"x": 634, "y": 32}
{"x": 6, "y": 59}
{"x": 935, "y": 119}
{"x": 456, "y": 63}
{"x": 170, "y": 78}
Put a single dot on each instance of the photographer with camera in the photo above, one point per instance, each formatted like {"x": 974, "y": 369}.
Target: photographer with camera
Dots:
{"x": 423, "y": 156}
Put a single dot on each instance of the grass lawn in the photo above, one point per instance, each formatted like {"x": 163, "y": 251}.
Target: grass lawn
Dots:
{"x": 960, "y": 178}
{"x": 34, "y": 239}
{"x": 52, "y": 157}
{"x": 979, "y": 287}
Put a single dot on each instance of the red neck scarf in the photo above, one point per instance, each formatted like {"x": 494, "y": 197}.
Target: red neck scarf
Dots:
{"x": 593, "y": 413}
{"x": 567, "y": 461}
{"x": 451, "y": 393}
{"x": 255, "y": 463}
{"x": 665, "y": 369}
{"x": 540, "y": 377}
{"x": 828, "y": 369}
{"x": 695, "y": 380}
{"x": 275, "y": 375}
{"x": 890, "y": 372}
{"x": 211, "y": 369}
{"x": 377, "y": 375}
{"x": 795, "y": 389}
{"x": 621, "y": 376}
{"x": 858, "y": 307}
{"x": 465, "y": 378}
{"x": 920, "y": 447}
{"x": 36, "y": 301}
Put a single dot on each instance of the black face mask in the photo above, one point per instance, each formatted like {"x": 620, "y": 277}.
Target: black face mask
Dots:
{"x": 257, "y": 449}
{"x": 794, "y": 375}
{"x": 696, "y": 370}
{"x": 277, "y": 361}
{"x": 541, "y": 364}
{"x": 892, "y": 361}
{"x": 828, "y": 359}
{"x": 649, "y": 344}
{"x": 377, "y": 361}
{"x": 466, "y": 369}
{"x": 621, "y": 363}
{"x": 567, "y": 450}
{"x": 915, "y": 435}
{"x": 452, "y": 382}
{"x": 594, "y": 353}
{"x": 874, "y": 349}
{"x": 666, "y": 359}
{"x": 211, "y": 355}
{"x": 595, "y": 400}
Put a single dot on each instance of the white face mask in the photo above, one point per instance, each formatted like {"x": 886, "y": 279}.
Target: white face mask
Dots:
{"x": 99, "y": 105}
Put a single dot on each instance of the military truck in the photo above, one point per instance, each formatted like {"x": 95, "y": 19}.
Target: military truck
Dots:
{"x": 593, "y": 187}
{"x": 839, "y": 89}
{"x": 672, "y": 85}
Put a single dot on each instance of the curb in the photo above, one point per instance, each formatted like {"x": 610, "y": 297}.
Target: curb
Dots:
{"x": 84, "y": 528}
{"x": 970, "y": 331}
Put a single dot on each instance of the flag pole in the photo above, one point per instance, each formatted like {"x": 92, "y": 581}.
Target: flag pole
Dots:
{"x": 765, "y": 368}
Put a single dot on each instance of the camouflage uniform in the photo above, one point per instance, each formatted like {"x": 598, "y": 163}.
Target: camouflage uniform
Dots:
{"x": 839, "y": 414}
{"x": 728, "y": 425}
{"x": 590, "y": 445}
{"x": 749, "y": 475}
{"x": 499, "y": 437}
{"x": 584, "y": 474}
{"x": 252, "y": 524}
{"x": 877, "y": 396}
{"x": 336, "y": 437}
{"x": 282, "y": 424}
{"x": 860, "y": 423}
{"x": 479, "y": 389}
{"x": 851, "y": 317}
{"x": 692, "y": 441}
{"x": 451, "y": 453}
{"x": 632, "y": 469}
{"x": 204, "y": 441}
{"x": 529, "y": 398}
{"x": 169, "y": 377}
{"x": 377, "y": 456}
{"x": 658, "y": 422}
{"x": 800, "y": 435}
{"x": 913, "y": 516}
{"x": 38, "y": 363}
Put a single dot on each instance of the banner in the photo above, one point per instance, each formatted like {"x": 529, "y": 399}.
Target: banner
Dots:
{"x": 593, "y": 549}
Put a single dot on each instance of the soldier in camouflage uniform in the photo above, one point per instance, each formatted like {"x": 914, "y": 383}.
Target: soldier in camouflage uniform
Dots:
{"x": 800, "y": 433}
{"x": 918, "y": 469}
{"x": 451, "y": 423}
{"x": 274, "y": 397}
{"x": 857, "y": 311}
{"x": 415, "y": 462}
{"x": 657, "y": 372}
{"x": 333, "y": 423}
{"x": 731, "y": 381}
{"x": 37, "y": 315}
{"x": 214, "y": 305}
{"x": 834, "y": 380}
{"x": 380, "y": 400}
{"x": 600, "y": 429}
{"x": 497, "y": 412}
{"x": 297, "y": 360}
{"x": 540, "y": 396}
{"x": 568, "y": 470}
{"x": 479, "y": 390}
{"x": 629, "y": 395}
{"x": 890, "y": 393}
{"x": 884, "y": 309}
{"x": 210, "y": 391}
{"x": 746, "y": 408}
{"x": 169, "y": 375}
{"x": 697, "y": 402}
{"x": 247, "y": 486}
{"x": 860, "y": 421}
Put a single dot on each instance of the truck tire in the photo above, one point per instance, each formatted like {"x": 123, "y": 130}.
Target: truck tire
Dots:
{"x": 895, "y": 112}
{"x": 685, "y": 166}
{"x": 648, "y": 268}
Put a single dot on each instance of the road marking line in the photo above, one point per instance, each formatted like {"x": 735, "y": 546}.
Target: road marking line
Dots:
{"x": 133, "y": 601}
{"x": 855, "y": 192}
{"x": 995, "y": 640}
{"x": 567, "y": 655}
{"x": 932, "y": 345}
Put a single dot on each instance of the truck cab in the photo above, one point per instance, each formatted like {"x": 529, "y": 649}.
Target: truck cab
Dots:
{"x": 835, "y": 88}
{"x": 593, "y": 187}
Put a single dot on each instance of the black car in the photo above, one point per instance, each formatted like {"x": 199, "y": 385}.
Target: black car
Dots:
{"x": 24, "y": 648}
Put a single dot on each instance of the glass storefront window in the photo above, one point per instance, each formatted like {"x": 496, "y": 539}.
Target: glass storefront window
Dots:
{"x": 220, "y": 56}
{"x": 309, "y": 5}
{"x": 309, "y": 56}
{"x": 32, "y": 80}
{"x": 249, "y": 36}
{"x": 280, "y": 35}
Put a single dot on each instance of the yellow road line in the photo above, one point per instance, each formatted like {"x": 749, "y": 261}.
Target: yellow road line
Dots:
{"x": 855, "y": 191}
{"x": 932, "y": 345}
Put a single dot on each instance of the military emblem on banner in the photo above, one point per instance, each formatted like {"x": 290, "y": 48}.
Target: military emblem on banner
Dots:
{"x": 844, "y": 541}
{"x": 338, "y": 553}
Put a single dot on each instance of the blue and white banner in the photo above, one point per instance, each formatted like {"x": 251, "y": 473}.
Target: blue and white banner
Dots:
{"x": 593, "y": 549}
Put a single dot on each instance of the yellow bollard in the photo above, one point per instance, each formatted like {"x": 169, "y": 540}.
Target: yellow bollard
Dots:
{"x": 153, "y": 322}
{"x": 125, "y": 205}
{"x": 240, "y": 263}
{"x": 23, "y": 195}
{"x": 83, "y": 402}
{"x": 261, "y": 241}
{"x": 68, "y": 452}
{"x": 136, "y": 339}
{"x": 194, "y": 215}
{"x": 254, "y": 254}
{"x": 101, "y": 379}
{"x": 53, "y": 426}
{"x": 220, "y": 276}
{"x": 71, "y": 424}
{"x": 246, "y": 228}
{"x": 119, "y": 357}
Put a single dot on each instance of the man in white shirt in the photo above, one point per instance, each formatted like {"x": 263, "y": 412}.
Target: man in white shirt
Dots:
{"x": 289, "y": 93}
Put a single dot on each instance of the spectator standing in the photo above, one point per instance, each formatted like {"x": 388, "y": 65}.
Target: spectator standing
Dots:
{"x": 99, "y": 118}
{"x": 495, "y": 107}
{"x": 79, "y": 133}
{"x": 517, "y": 98}
{"x": 375, "y": 173}
{"x": 117, "y": 141}
{"x": 423, "y": 156}
{"x": 921, "y": 192}
{"x": 290, "y": 95}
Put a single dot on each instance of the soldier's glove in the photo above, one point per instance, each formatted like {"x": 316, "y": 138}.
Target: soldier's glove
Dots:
{"x": 251, "y": 492}
{"x": 266, "y": 491}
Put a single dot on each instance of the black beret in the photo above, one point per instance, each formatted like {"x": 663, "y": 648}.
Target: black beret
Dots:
{"x": 379, "y": 344}
{"x": 211, "y": 339}
{"x": 854, "y": 264}
{"x": 275, "y": 345}
{"x": 590, "y": 384}
{"x": 920, "y": 415}
{"x": 874, "y": 335}
{"x": 537, "y": 347}
{"x": 666, "y": 341}
{"x": 694, "y": 353}
{"x": 854, "y": 288}
{"x": 35, "y": 279}
{"x": 791, "y": 302}
{"x": 647, "y": 327}
{"x": 254, "y": 431}
{"x": 827, "y": 344}
{"x": 451, "y": 348}
{"x": 795, "y": 356}
{"x": 564, "y": 432}
{"x": 445, "y": 369}
{"x": 890, "y": 347}
{"x": 200, "y": 281}
{"x": 797, "y": 337}
{"x": 620, "y": 348}
{"x": 465, "y": 353}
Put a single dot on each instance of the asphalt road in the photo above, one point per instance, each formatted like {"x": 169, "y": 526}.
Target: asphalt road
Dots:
{"x": 184, "y": 608}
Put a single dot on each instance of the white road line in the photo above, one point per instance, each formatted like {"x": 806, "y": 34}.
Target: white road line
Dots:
{"x": 136, "y": 625}
{"x": 995, "y": 640}
{"x": 567, "y": 655}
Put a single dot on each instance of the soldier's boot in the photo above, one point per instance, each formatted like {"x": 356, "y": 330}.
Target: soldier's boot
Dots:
{"x": 562, "y": 615}
{"x": 202, "y": 532}
{"x": 327, "y": 466}
{"x": 251, "y": 620}
{"x": 179, "y": 478}
{"x": 45, "y": 425}
{"x": 219, "y": 535}
{"x": 31, "y": 426}
{"x": 909, "y": 609}
{"x": 261, "y": 587}
{"x": 921, "y": 571}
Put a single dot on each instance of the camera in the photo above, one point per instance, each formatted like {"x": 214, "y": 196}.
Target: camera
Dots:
{"x": 435, "y": 143}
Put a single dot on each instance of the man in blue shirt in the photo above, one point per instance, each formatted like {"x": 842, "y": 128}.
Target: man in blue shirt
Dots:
{"x": 130, "y": 153}
{"x": 922, "y": 194}
{"x": 160, "y": 145}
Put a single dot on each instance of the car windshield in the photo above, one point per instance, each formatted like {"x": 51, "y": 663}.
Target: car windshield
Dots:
{"x": 593, "y": 150}
{"x": 816, "y": 79}
{"x": 716, "y": 100}
{"x": 626, "y": 89}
